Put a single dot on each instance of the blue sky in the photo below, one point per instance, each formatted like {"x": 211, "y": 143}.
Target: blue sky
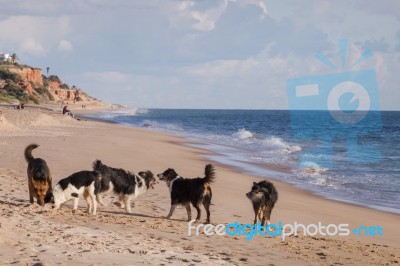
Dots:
{"x": 201, "y": 54}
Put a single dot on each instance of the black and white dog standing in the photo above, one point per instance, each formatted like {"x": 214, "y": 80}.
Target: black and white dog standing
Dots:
{"x": 86, "y": 183}
{"x": 126, "y": 185}
{"x": 185, "y": 191}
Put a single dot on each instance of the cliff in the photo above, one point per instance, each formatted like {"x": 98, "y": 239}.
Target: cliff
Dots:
{"x": 27, "y": 84}
{"x": 28, "y": 74}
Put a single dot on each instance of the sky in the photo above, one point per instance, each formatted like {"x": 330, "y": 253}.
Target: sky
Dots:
{"x": 230, "y": 54}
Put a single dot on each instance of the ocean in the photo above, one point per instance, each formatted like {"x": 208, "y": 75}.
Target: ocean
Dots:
{"x": 354, "y": 162}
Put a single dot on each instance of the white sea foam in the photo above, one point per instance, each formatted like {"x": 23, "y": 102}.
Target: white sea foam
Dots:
{"x": 276, "y": 143}
{"x": 243, "y": 134}
{"x": 121, "y": 112}
{"x": 171, "y": 128}
{"x": 309, "y": 164}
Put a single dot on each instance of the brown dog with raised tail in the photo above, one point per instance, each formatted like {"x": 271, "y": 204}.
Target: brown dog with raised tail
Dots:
{"x": 39, "y": 177}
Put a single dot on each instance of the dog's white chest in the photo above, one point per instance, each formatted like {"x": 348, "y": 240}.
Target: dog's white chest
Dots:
{"x": 171, "y": 184}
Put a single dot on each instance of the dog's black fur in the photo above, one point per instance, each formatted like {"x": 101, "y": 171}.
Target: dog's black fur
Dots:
{"x": 82, "y": 179}
{"x": 263, "y": 196}
{"x": 123, "y": 183}
{"x": 79, "y": 179}
{"x": 185, "y": 191}
{"x": 39, "y": 177}
{"x": 86, "y": 183}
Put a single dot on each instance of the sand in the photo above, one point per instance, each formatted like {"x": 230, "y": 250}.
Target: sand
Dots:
{"x": 31, "y": 234}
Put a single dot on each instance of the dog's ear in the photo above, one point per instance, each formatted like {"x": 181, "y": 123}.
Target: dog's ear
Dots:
{"x": 49, "y": 198}
{"x": 254, "y": 184}
{"x": 149, "y": 174}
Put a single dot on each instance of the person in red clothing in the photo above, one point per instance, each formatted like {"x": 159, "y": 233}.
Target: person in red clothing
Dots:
{"x": 66, "y": 111}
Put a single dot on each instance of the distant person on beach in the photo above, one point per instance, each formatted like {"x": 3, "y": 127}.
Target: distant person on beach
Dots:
{"x": 66, "y": 111}
{"x": 20, "y": 106}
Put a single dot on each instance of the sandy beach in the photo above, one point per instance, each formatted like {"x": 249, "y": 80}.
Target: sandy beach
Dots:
{"x": 35, "y": 235}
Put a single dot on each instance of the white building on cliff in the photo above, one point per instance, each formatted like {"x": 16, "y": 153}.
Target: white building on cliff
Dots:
{"x": 5, "y": 57}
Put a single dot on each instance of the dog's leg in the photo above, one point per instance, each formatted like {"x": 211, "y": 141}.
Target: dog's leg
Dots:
{"x": 128, "y": 204}
{"x": 121, "y": 201}
{"x": 76, "y": 200}
{"x": 207, "y": 207}
{"x": 198, "y": 212}
{"x": 260, "y": 215}
{"x": 86, "y": 196}
{"x": 90, "y": 205}
{"x": 267, "y": 214}
{"x": 31, "y": 198}
{"x": 189, "y": 212}
{"x": 99, "y": 199}
{"x": 31, "y": 192}
{"x": 171, "y": 211}
{"x": 94, "y": 204}
{"x": 257, "y": 214}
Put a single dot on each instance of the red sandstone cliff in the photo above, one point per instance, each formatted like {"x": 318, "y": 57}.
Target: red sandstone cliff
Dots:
{"x": 28, "y": 74}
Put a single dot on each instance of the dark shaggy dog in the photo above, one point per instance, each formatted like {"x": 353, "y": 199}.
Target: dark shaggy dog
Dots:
{"x": 263, "y": 196}
{"x": 39, "y": 177}
{"x": 185, "y": 191}
{"x": 126, "y": 185}
{"x": 86, "y": 183}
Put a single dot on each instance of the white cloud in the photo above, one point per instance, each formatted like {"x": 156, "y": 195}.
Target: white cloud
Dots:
{"x": 65, "y": 45}
{"x": 206, "y": 20}
{"x": 259, "y": 3}
{"x": 114, "y": 77}
{"x": 185, "y": 5}
{"x": 222, "y": 54}
{"x": 31, "y": 46}
{"x": 35, "y": 35}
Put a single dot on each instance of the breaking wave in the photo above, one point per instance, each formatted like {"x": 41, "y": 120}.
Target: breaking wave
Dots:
{"x": 243, "y": 134}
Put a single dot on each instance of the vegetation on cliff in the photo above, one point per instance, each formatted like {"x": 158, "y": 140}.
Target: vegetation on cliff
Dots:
{"x": 25, "y": 84}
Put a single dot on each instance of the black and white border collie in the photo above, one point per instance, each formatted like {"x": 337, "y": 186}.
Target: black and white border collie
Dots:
{"x": 86, "y": 183}
{"x": 185, "y": 191}
{"x": 126, "y": 185}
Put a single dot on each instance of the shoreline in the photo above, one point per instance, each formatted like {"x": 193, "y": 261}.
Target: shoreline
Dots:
{"x": 31, "y": 232}
{"x": 271, "y": 168}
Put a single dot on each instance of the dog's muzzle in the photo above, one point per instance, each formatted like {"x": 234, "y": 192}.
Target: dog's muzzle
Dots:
{"x": 161, "y": 176}
{"x": 153, "y": 183}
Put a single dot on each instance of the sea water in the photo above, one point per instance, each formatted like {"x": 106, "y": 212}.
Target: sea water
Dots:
{"x": 263, "y": 143}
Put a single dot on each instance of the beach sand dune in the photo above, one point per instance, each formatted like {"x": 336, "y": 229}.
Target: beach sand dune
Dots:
{"x": 32, "y": 234}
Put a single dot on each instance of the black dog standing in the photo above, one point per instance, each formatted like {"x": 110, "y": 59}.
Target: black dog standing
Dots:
{"x": 263, "y": 196}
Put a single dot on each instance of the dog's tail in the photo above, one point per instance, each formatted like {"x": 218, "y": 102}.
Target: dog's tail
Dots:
{"x": 97, "y": 166}
{"x": 28, "y": 152}
{"x": 209, "y": 174}
{"x": 97, "y": 182}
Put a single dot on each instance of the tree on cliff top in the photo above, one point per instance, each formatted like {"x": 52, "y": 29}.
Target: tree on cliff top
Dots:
{"x": 54, "y": 78}
{"x": 14, "y": 58}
